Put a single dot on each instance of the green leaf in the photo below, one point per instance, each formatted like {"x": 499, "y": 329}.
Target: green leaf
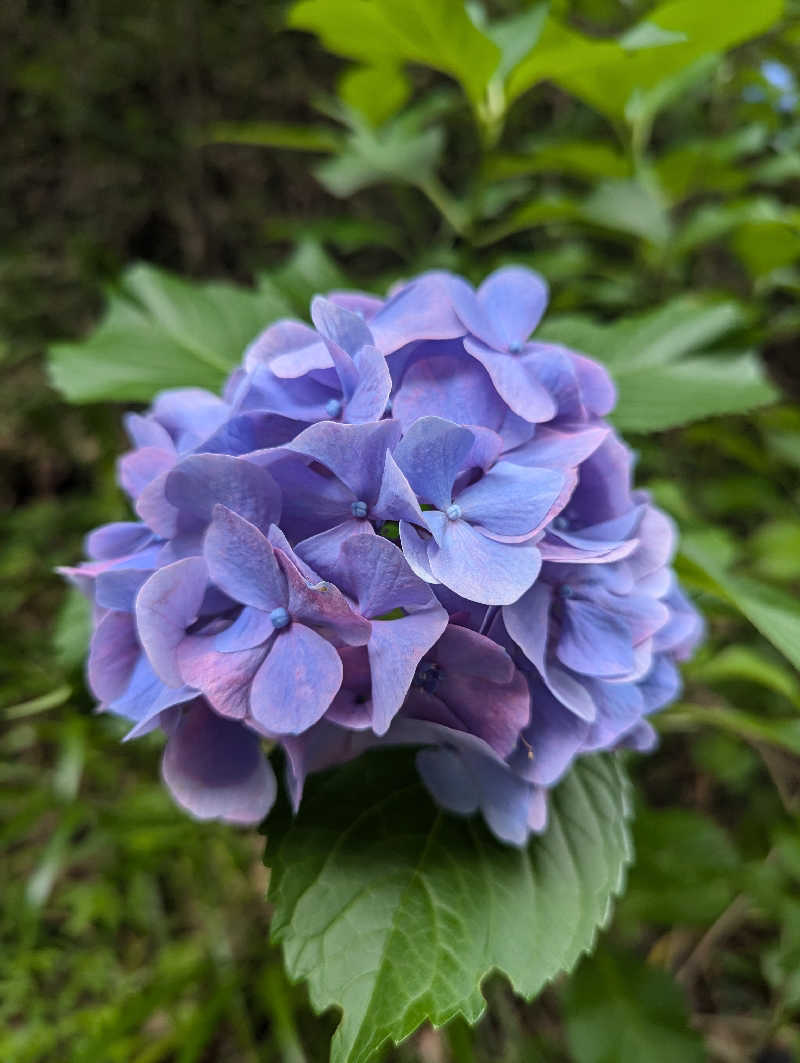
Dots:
{"x": 606, "y": 75}
{"x": 649, "y": 35}
{"x": 436, "y": 33}
{"x": 783, "y": 733}
{"x": 652, "y": 399}
{"x": 394, "y": 911}
{"x": 580, "y": 158}
{"x": 734, "y": 663}
{"x": 399, "y": 151}
{"x": 619, "y": 1009}
{"x": 775, "y": 613}
{"x": 274, "y": 135}
{"x": 376, "y": 92}
{"x": 161, "y": 332}
{"x": 629, "y": 206}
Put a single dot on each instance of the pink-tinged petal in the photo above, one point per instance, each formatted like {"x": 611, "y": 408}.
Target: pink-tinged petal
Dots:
{"x": 203, "y": 481}
{"x": 242, "y": 562}
{"x": 215, "y": 769}
{"x": 324, "y": 607}
{"x": 140, "y": 467}
{"x": 515, "y": 382}
{"x": 511, "y": 500}
{"x": 431, "y": 454}
{"x": 167, "y": 604}
{"x": 322, "y": 746}
{"x": 420, "y": 310}
{"x": 224, "y": 678}
{"x": 355, "y": 453}
{"x": 481, "y": 569}
{"x": 513, "y": 299}
{"x": 486, "y": 448}
{"x": 296, "y": 683}
{"x": 113, "y": 654}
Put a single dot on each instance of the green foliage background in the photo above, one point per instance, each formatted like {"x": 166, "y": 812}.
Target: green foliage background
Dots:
{"x": 645, "y": 162}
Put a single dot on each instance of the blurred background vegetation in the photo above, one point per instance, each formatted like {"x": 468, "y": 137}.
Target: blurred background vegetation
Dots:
{"x": 649, "y": 164}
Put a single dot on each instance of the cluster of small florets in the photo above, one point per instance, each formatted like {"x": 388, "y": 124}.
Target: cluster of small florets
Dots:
{"x": 409, "y": 524}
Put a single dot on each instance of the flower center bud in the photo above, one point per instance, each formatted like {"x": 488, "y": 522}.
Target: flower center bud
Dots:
{"x": 453, "y": 511}
{"x": 515, "y": 347}
{"x": 565, "y": 591}
{"x": 279, "y": 618}
{"x": 359, "y": 509}
{"x": 561, "y": 523}
{"x": 333, "y": 407}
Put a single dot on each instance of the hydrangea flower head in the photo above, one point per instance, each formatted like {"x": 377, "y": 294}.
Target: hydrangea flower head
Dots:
{"x": 405, "y": 524}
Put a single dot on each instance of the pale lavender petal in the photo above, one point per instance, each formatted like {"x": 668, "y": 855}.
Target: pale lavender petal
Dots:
{"x": 511, "y": 500}
{"x": 166, "y": 606}
{"x": 117, "y": 588}
{"x": 455, "y": 388}
{"x": 420, "y": 310}
{"x": 343, "y": 327}
{"x": 415, "y": 550}
{"x": 396, "y": 500}
{"x": 117, "y": 540}
{"x": 324, "y": 607}
{"x": 551, "y": 740}
{"x": 321, "y": 551}
{"x": 251, "y": 628}
{"x": 374, "y": 572}
{"x": 140, "y": 467}
{"x": 145, "y": 697}
{"x": 559, "y": 447}
{"x": 242, "y": 562}
{"x": 297, "y": 682}
{"x": 481, "y": 569}
{"x": 289, "y": 348}
{"x": 395, "y": 649}
{"x": 215, "y": 769}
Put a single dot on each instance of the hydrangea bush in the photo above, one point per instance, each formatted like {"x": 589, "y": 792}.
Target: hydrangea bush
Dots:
{"x": 409, "y": 524}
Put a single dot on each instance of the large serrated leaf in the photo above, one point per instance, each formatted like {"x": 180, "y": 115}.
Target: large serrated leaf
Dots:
{"x": 394, "y": 911}
{"x": 160, "y": 331}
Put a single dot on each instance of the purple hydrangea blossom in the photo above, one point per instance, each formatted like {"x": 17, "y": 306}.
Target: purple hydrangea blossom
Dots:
{"x": 405, "y": 524}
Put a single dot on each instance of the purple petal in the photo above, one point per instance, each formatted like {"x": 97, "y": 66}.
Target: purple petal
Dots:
{"x": 551, "y": 740}
{"x": 202, "y": 481}
{"x": 311, "y": 502}
{"x": 420, "y": 310}
{"x": 321, "y": 551}
{"x": 352, "y": 706}
{"x": 374, "y": 572}
{"x": 250, "y": 629}
{"x": 117, "y": 540}
{"x": 396, "y": 500}
{"x": 341, "y": 326}
{"x": 166, "y": 606}
{"x": 297, "y": 682}
{"x": 323, "y": 606}
{"x": 515, "y": 382}
{"x": 242, "y": 563}
{"x": 453, "y": 387}
{"x": 355, "y": 453}
{"x": 371, "y": 393}
{"x": 140, "y": 467}
{"x": 593, "y": 641}
{"x": 431, "y": 454}
{"x": 395, "y": 649}
{"x": 215, "y": 769}
{"x": 113, "y": 654}
{"x": 145, "y": 697}
{"x": 559, "y": 447}
{"x": 513, "y": 299}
